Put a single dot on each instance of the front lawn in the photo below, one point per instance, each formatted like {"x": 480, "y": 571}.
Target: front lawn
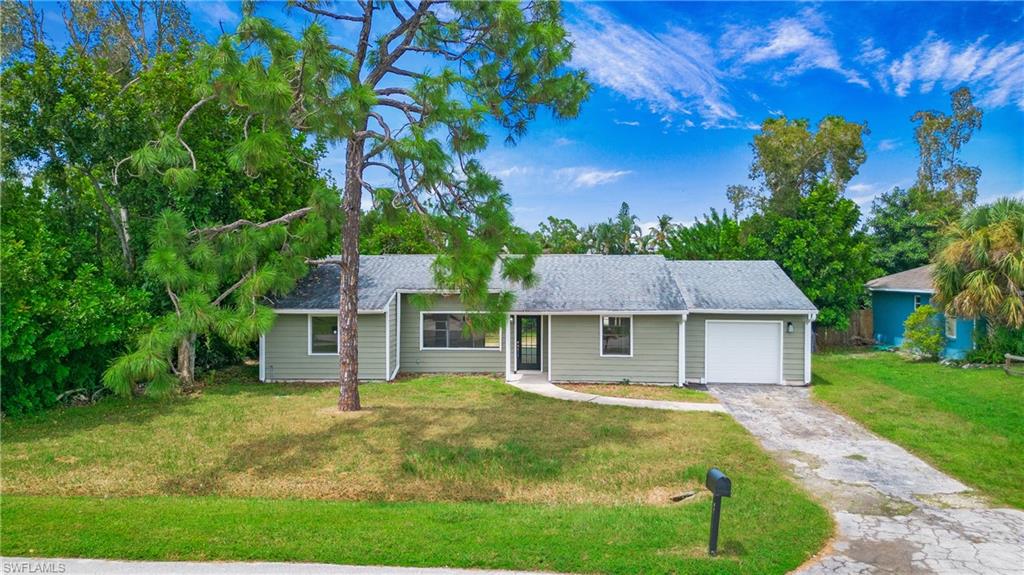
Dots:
{"x": 966, "y": 422}
{"x": 659, "y": 392}
{"x": 457, "y": 471}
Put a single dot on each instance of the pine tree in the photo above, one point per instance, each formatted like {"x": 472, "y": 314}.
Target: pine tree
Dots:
{"x": 407, "y": 99}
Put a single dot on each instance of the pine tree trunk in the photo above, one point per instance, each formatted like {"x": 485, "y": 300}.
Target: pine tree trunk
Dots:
{"x": 187, "y": 361}
{"x": 348, "y": 304}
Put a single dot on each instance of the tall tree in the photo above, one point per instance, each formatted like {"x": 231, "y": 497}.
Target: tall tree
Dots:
{"x": 822, "y": 250}
{"x": 716, "y": 237}
{"x": 979, "y": 271}
{"x": 661, "y": 231}
{"x": 407, "y": 98}
{"x": 944, "y": 183}
{"x": 561, "y": 236}
{"x": 741, "y": 198}
{"x": 616, "y": 236}
{"x": 790, "y": 159}
{"x": 903, "y": 236}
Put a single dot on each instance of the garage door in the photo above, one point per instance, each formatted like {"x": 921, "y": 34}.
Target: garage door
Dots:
{"x": 743, "y": 351}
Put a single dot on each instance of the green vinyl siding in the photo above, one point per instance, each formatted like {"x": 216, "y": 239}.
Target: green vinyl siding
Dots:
{"x": 792, "y": 343}
{"x": 392, "y": 335}
{"x": 287, "y": 357}
{"x": 575, "y": 341}
{"x": 415, "y": 360}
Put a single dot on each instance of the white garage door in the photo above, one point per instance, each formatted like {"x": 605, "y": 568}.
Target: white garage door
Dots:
{"x": 743, "y": 351}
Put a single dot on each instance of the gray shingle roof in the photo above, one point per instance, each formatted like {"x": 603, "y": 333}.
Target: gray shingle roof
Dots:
{"x": 577, "y": 283}
{"x": 917, "y": 279}
{"x": 738, "y": 285}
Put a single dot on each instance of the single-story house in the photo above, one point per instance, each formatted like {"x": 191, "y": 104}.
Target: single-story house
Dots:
{"x": 589, "y": 318}
{"x": 894, "y": 297}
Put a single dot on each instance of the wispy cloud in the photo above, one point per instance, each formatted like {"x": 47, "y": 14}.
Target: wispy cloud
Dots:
{"x": 672, "y": 71}
{"x": 514, "y": 171}
{"x": 217, "y": 12}
{"x": 626, "y": 122}
{"x": 888, "y": 145}
{"x": 803, "y": 42}
{"x": 995, "y": 72}
{"x": 564, "y": 142}
{"x": 589, "y": 177}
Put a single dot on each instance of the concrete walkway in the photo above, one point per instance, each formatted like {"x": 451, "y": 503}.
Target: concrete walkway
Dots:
{"x": 895, "y": 513}
{"x": 107, "y": 567}
{"x": 538, "y": 384}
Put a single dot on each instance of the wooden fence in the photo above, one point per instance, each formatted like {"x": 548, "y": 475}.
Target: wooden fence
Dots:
{"x": 860, "y": 332}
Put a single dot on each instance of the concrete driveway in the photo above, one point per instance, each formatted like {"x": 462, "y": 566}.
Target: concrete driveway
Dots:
{"x": 895, "y": 513}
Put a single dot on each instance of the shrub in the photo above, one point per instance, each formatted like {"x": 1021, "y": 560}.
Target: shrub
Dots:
{"x": 922, "y": 334}
{"x": 999, "y": 341}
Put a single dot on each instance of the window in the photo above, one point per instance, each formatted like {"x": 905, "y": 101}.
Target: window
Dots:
{"x": 323, "y": 335}
{"x": 917, "y": 301}
{"x": 617, "y": 336}
{"x": 950, "y": 327}
{"x": 450, "y": 331}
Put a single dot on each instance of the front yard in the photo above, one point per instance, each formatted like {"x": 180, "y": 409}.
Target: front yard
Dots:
{"x": 456, "y": 471}
{"x": 966, "y": 422}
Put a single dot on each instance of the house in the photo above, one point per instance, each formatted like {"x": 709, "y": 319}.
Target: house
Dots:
{"x": 589, "y": 318}
{"x": 894, "y": 297}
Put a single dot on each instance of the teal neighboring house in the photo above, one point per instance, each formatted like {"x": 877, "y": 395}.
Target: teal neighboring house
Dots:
{"x": 894, "y": 297}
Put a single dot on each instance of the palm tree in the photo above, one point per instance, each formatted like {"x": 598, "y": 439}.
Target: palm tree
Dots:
{"x": 979, "y": 270}
{"x": 661, "y": 231}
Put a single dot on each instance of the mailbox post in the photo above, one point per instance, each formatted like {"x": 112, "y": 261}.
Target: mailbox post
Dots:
{"x": 720, "y": 486}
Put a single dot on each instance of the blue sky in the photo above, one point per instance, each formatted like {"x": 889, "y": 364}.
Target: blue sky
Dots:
{"x": 680, "y": 88}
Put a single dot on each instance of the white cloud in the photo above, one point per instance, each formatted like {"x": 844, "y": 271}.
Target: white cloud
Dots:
{"x": 995, "y": 73}
{"x": 217, "y": 12}
{"x": 564, "y": 142}
{"x": 776, "y": 112}
{"x": 513, "y": 171}
{"x": 669, "y": 72}
{"x": 626, "y": 122}
{"x": 804, "y": 42}
{"x": 871, "y": 54}
{"x": 588, "y": 177}
{"x": 888, "y": 145}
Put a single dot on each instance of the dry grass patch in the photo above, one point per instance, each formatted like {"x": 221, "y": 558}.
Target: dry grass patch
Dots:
{"x": 635, "y": 391}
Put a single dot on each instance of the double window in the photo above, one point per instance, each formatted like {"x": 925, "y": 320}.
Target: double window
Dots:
{"x": 323, "y": 335}
{"x": 616, "y": 336}
{"x": 451, "y": 331}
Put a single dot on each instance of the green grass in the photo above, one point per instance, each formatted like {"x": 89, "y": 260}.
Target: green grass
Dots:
{"x": 966, "y": 422}
{"x": 457, "y": 471}
{"x": 659, "y": 392}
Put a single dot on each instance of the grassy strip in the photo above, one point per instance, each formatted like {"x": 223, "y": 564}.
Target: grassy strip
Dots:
{"x": 577, "y": 538}
{"x": 659, "y": 392}
{"x": 967, "y": 422}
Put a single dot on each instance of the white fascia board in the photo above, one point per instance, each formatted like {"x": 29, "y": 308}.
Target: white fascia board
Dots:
{"x": 324, "y": 311}
{"x": 901, "y": 290}
{"x": 755, "y": 311}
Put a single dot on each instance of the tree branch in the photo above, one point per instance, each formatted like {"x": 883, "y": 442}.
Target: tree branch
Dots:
{"x": 217, "y": 230}
{"x": 181, "y": 125}
{"x": 236, "y": 285}
{"x": 333, "y": 15}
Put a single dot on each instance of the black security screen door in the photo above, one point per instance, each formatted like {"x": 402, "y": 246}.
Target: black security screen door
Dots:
{"x": 528, "y": 342}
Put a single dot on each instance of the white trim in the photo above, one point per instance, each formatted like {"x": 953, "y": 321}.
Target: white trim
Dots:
{"x": 263, "y": 357}
{"x": 946, "y": 327}
{"x": 904, "y": 290}
{"x": 610, "y": 312}
{"x": 309, "y": 335}
{"x": 441, "y": 291}
{"x": 542, "y": 340}
{"x": 600, "y": 335}
{"x": 682, "y": 351}
{"x": 398, "y": 334}
{"x": 508, "y": 348}
{"x": 454, "y": 312}
{"x": 387, "y": 339}
{"x": 324, "y": 311}
{"x": 782, "y": 342}
{"x": 755, "y": 311}
{"x": 807, "y": 351}
{"x": 550, "y": 358}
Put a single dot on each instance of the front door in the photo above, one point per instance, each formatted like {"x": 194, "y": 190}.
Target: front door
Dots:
{"x": 528, "y": 342}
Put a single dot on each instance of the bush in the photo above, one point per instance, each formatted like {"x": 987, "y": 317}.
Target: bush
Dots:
{"x": 998, "y": 342}
{"x": 922, "y": 334}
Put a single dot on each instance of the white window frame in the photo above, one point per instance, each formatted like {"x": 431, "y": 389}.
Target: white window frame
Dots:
{"x": 454, "y": 312}
{"x": 600, "y": 335}
{"x": 950, "y": 319}
{"x": 917, "y": 301}
{"x": 309, "y": 335}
